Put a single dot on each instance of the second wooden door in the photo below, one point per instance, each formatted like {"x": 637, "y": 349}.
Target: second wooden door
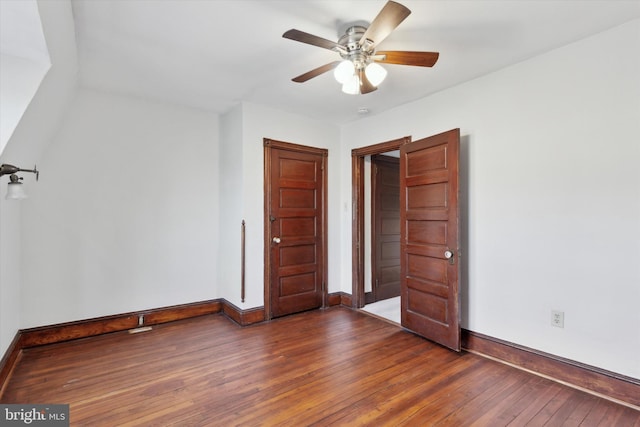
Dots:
{"x": 385, "y": 235}
{"x": 295, "y": 227}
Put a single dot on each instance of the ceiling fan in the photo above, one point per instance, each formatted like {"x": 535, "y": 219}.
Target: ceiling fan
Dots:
{"x": 359, "y": 71}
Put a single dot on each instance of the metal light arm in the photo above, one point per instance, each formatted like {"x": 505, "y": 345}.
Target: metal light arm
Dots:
{"x": 6, "y": 169}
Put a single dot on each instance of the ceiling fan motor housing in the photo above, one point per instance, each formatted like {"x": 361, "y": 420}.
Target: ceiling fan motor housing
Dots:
{"x": 359, "y": 55}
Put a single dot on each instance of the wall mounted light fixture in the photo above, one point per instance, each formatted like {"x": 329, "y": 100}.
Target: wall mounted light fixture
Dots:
{"x": 15, "y": 190}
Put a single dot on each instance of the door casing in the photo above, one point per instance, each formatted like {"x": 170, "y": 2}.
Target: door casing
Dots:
{"x": 357, "y": 217}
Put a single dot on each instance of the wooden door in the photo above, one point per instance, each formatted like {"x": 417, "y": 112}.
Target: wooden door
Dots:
{"x": 385, "y": 237}
{"x": 429, "y": 238}
{"x": 295, "y": 181}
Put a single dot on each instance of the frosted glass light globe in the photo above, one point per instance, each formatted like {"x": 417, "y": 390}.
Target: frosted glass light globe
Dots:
{"x": 344, "y": 71}
{"x": 375, "y": 73}
{"x": 352, "y": 85}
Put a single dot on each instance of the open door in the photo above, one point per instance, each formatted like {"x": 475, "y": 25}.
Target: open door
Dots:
{"x": 429, "y": 225}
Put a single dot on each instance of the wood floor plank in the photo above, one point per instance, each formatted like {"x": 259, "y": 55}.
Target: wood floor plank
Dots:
{"x": 367, "y": 390}
{"x": 341, "y": 377}
{"x": 534, "y": 404}
{"x": 418, "y": 407}
{"x": 498, "y": 403}
{"x": 553, "y": 405}
{"x": 596, "y": 414}
{"x": 400, "y": 400}
{"x": 335, "y": 367}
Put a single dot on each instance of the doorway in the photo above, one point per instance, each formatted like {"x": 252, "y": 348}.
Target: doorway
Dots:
{"x": 295, "y": 228}
{"x": 358, "y": 220}
{"x": 385, "y": 228}
{"x": 382, "y": 236}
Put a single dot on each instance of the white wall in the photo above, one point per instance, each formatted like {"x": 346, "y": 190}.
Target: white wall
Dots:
{"x": 231, "y": 176}
{"x": 551, "y": 193}
{"x": 260, "y": 122}
{"x": 124, "y": 216}
{"x": 35, "y": 129}
{"x": 10, "y": 272}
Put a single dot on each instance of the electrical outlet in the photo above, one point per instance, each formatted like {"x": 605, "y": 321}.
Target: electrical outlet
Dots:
{"x": 557, "y": 318}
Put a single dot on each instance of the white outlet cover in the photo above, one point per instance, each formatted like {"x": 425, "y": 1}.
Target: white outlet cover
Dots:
{"x": 557, "y": 318}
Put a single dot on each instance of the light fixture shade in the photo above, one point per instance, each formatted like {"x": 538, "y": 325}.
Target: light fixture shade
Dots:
{"x": 352, "y": 85}
{"x": 15, "y": 191}
{"x": 375, "y": 73}
{"x": 344, "y": 71}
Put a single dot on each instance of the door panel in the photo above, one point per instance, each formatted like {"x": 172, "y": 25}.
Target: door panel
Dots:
{"x": 429, "y": 222}
{"x": 386, "y": 227}
{"x": 294, "y": 228}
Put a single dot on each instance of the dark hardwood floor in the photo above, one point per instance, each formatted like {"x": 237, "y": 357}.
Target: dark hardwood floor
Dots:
{"x": 324, "y": 367}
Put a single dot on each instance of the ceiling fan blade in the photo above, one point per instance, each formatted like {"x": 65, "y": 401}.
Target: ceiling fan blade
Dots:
{"x": 315, "y": 72}
{"x": 365, "y": 84}
{"x": 420, "y": 59}
{"x": 391, "y": 15}
{"x": 301, "y": 36}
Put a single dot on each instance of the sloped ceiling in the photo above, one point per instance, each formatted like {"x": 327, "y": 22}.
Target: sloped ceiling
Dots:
{"x": 24, "y": 61}
{"x": 21, "y": 31}
{"x": 213, "y": 54}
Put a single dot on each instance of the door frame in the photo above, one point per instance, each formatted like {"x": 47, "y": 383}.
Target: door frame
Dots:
{"x": 270, "y": 144}
{"x": 357, "y": 214}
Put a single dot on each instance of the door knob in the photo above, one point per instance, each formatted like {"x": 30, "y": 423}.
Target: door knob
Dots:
{"x": 276, "y": 239}
{"x": 449, "y": 255}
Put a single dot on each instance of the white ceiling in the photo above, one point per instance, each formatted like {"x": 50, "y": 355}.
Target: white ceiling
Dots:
{"x": 213, "y": 54}
{"x": 21, "y": 31}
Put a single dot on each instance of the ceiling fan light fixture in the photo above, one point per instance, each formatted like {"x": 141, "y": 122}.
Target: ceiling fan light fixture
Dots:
{"x": 352, "y": 85}
{"x": 344, "y": 71}
{"x": 356, "y": 71}
{"x": 375, "y": 73}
